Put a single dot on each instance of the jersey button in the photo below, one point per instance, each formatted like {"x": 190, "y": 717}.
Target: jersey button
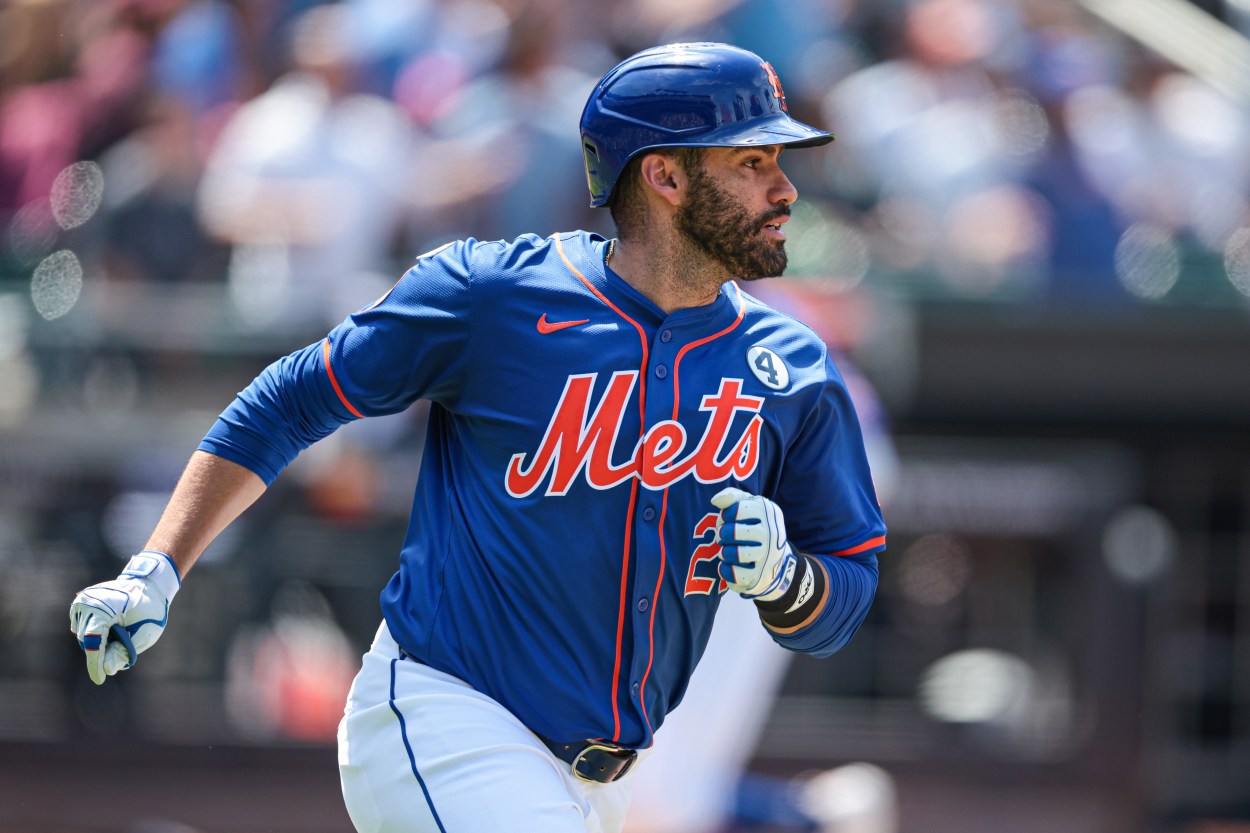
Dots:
{"x": 635, "y": 690}
{"x": 661, "y": 372}
{"x": 666, "y": 336}
{"x": 648, "y": 514}
{"x": 643, "y": 604}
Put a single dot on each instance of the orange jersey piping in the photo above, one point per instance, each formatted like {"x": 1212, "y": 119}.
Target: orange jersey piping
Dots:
{"x": 334, "y": 383}
{"x": 664, "y": 500}
{"x": 622, "y": 600}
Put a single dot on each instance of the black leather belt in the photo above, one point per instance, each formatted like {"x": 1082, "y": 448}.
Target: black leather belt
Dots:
{"x": 594, "y": 760}
{"x": 591, "y": 760}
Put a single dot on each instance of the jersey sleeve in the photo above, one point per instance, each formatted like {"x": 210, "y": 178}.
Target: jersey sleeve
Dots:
{"x": 833, "y": 516}
{"x": 411, "y": 344}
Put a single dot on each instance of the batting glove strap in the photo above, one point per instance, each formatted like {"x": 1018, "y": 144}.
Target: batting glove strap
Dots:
{"x": 802, "y": 601}
{"x": 782, "y": 579}
{"x": 157, "y": 567}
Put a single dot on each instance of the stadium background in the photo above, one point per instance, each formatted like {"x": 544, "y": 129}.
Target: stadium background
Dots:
{"x": 1032, "y": 237}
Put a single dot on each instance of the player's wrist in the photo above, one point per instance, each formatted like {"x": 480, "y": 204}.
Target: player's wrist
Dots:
{"x": 156, "y": 567}
{"x": 802, "y": 599}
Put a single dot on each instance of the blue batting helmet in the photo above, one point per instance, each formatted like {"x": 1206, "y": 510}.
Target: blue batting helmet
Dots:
{"x": 684, "y": 95}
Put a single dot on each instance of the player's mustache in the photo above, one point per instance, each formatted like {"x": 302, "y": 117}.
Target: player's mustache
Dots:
{"x": 778, "y": 212}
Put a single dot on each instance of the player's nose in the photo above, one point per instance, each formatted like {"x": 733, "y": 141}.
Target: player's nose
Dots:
{"x": 783, "y": 190}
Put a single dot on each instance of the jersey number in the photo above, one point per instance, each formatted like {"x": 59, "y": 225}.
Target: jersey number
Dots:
{"x": 764, "y": 364}
{"x": 703, "y": 576}
{"x": 768, "y": 367}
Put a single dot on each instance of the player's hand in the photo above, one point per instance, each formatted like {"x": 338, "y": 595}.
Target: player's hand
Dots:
{"x": 117, "y": 620}
{"x": 755, "y": 555}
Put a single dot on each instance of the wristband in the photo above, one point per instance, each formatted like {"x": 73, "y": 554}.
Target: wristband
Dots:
{"x": 156, "y": 567}
{"x": 803, "y": 599}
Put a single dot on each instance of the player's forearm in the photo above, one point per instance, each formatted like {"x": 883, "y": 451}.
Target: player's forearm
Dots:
{"x": 210, "y": 494}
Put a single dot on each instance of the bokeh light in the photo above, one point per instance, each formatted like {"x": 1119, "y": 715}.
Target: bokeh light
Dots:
{"x": 858, "y": 797}
{"x": 977, "y": 685}
{"x": 1138, "y": 544}
{"x": 1022, "y": 124}
{"x": 31, "y": 233}
{"x": 1237, "y": 260}
{"x": 1147, "y": 261}
{"x": 76, "y": 194}
{"x": 57, "y": 283}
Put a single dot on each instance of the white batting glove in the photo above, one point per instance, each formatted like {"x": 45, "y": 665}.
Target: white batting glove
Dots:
{"x": 117, "y": 620}
{"x": 755, "y": 556}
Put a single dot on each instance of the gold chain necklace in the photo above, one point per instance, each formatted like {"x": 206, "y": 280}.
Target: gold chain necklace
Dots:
{"x": 607, "y": 259}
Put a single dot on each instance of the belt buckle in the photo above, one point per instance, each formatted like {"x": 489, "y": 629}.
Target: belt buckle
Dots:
{"x": 595, "y": 770}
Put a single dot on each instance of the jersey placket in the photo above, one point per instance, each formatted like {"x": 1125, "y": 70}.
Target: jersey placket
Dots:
{"x": 649, "y": 522}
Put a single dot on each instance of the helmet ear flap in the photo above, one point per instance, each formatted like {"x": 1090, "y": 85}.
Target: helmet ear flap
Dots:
{"x": 590, "y": 155}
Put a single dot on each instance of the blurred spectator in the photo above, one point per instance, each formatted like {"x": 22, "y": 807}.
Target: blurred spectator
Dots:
{"x": 1015, "y": 149}
{"x": 940, "y": 148}
{"x": 507, "y": 139}
{"x": 308, "y": 184}
{"x": 199, "y": 56}
{"x": 1164, "y": 148}
{"x": 806, "y": 40}
{"x": 389, "y": 34}
{"x": 288, "y": 677}
{"x": 70, "y": 85}
{"x": 153, "y": 230}
{"x": 1084, "y": 228}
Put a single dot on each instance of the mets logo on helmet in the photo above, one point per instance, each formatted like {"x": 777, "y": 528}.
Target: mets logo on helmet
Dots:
{"x": 581, "y": 438}
{"x": 776, "y": 82}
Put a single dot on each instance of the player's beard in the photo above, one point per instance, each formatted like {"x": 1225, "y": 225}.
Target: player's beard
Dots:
{"x": 724, "y": 229}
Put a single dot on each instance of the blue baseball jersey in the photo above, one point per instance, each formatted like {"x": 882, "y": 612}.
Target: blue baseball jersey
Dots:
{"x": 561, "y": 553}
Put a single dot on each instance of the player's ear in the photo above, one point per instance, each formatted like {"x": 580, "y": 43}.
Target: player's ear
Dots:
{"x": 660, "y": 174}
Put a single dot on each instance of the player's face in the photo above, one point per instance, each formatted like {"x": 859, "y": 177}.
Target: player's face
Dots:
{"x": 737, "y": 201}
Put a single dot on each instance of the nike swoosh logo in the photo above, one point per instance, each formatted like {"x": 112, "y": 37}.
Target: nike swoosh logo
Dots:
{"x": 545, "y": 326}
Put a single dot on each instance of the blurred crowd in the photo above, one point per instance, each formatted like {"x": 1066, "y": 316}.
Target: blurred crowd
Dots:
{"x": 301, "y": 152}
{"x": 290, "y": 158}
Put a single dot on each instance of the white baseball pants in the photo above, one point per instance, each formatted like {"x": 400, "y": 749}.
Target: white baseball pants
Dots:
{"x": 420, "y": 751}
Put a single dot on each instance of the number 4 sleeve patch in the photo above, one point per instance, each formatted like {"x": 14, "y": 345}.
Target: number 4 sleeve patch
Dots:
{"x": 768, "y": 367}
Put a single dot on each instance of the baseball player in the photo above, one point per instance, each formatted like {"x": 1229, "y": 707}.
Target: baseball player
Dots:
{"x": 620, "y": 436}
